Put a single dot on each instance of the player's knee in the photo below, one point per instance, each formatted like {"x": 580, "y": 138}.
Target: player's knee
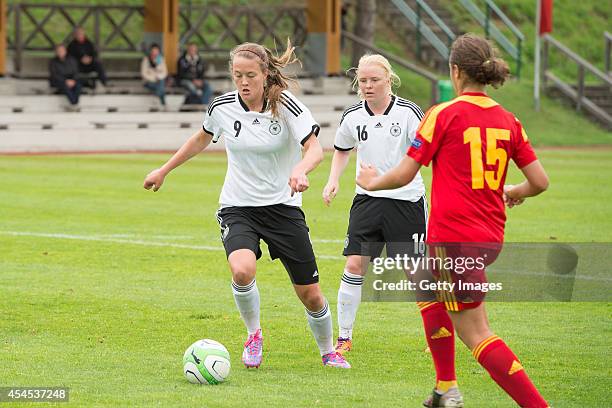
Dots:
{"x": 242, "y": 278}
{"x": 355, "y": 265}
{"x": 473, "y": 337}
{"x": 315, "y": 303}
{"x": 313, "y": 300}
{"x": 242, "y": 273}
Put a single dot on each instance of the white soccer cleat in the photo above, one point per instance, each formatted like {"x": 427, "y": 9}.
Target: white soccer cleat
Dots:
{"x": 450, "y": 399}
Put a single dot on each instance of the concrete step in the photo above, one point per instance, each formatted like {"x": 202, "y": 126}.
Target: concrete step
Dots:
{"x": 605, "y": 93}
{"x": 331, "y": 85}
{"x": 101, "y": 120}
{"x": 37, "y": 123}
{"x": 553, "y": 92}
{"x": 34, "y": 64}
{"x": 19, "y": 104}
{"x": 111, "y": 140}
{"x": 601, "y": 95}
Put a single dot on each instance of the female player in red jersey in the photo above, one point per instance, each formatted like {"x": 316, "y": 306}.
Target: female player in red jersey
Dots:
{"x": 469, "y": 140}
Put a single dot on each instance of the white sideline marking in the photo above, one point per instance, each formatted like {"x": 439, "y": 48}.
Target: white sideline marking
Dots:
{"x": 130, "y": 241}
{"x": 212, "y": 248}
{"x": 115, "y": 240}
{"x": 198, "y": 237}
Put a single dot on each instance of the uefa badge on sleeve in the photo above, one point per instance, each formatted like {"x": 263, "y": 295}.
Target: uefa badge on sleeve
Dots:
{"x": 396, "y": 130}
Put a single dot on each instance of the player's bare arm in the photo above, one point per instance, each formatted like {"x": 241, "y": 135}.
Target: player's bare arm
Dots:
{"x": 399, "y": 176}
{"x": 194, "y": 145}
{"x": 536, "y": 182}
{"x": 339, "y": 163}
{"x": 313, "y": 155}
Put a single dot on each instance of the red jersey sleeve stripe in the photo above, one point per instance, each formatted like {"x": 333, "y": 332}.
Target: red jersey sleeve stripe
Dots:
{"x": 428, "y": 125}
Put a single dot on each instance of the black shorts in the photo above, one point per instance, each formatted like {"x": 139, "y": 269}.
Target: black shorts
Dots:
{"x": 376, "y": 221}
{"x": 282, "y": 227}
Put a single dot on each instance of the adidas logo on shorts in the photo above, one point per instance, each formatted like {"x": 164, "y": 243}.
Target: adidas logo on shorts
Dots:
{"x": 224, "y": 232}
{"x": 315, "y": 274}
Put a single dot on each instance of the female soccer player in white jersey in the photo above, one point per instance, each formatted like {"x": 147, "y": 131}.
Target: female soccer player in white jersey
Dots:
{"x": 265, "y": 129}
{"x": 381, "y": 126}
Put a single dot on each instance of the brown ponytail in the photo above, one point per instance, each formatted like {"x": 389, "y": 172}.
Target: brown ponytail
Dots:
{"x": 276, "y": 81}
{"x": 476, "y": 58}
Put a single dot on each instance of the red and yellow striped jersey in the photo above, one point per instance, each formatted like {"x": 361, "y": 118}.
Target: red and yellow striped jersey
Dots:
{"x": 469, "y": 140}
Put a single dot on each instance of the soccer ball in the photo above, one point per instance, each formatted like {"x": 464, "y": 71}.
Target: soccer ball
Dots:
{"x": 206, "y": 362}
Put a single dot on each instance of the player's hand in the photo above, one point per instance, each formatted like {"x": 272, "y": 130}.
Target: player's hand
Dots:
{"x": 154, "y": 179}
{"x": 298, "y": 181}
{"x": 330, "y": 191}
{"x": 367, "y": 173}
{"x": 509, "y": 201}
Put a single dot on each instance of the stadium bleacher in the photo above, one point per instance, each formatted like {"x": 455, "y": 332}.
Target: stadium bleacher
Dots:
{"x": 130, "y": 122}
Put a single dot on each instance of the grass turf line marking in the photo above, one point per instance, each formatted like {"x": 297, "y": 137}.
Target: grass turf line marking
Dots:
{"x": 197, "y": 237}
{"x": 211, "y": 248}
{"x": 130, "y": 241}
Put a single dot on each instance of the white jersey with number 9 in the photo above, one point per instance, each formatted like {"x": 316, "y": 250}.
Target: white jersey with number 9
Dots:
{"x": 261, "y": 150}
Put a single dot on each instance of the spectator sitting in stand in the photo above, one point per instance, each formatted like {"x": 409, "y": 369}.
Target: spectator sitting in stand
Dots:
{"x": 191, "y": 68}
{"x": 63, "y": 76}
{"x": 83, "y": 50}
{"x": 154, "y": 72}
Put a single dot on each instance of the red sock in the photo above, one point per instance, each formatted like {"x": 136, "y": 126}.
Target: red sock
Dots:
{"x": 440, "y": 335}
{"x": 505, "y": 368}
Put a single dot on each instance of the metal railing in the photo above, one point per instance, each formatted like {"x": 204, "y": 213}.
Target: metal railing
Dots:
{"x": 491, "y": 30}
{"x": 608, "y": 40}
{"x": 264, "y": 25}
{"x": 118, "y": 29}
{"x": 577, "y": 94}
{"x": 423, "y": 30}
{"x": 432, "y": 78}
{"x": 38, "y": 27}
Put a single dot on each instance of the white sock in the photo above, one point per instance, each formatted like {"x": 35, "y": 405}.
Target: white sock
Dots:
{"x": 321, "y": 325}
{"x": 247, "y": 301}
{"x": 349, "y": 298}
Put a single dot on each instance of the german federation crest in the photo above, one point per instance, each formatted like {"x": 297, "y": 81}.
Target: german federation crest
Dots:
{"x": 396, "y": 130}
{"x": 275, "y": 128}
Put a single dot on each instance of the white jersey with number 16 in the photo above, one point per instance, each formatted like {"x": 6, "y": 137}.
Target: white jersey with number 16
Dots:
{"x": 382, "y": 141}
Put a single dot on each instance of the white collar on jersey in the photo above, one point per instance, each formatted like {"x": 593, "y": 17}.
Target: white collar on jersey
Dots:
{"x": 246, "y": 108}
{"x": 386, "y": 112}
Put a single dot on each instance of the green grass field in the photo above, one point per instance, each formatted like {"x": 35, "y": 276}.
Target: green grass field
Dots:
{"x": 104, "y": 285}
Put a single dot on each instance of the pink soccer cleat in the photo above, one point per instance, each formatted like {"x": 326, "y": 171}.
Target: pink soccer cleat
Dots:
{"x": 253, "y": 350}
{"x": 335, "y": 359}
